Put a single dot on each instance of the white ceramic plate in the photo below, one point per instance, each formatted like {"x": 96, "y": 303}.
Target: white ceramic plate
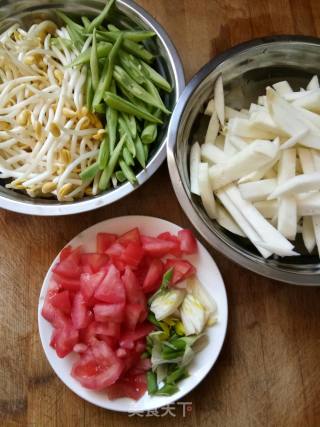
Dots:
{"x": 209, "y": 276}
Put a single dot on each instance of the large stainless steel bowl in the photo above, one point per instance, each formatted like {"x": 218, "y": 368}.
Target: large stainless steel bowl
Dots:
{"x": 168, "y": 63}
{"x": 246, "y": 69}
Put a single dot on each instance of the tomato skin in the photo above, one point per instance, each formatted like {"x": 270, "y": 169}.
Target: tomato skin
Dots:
{"x": 141, "y": 331}
{"x": 188, "y": 243}
{"x": 109, "y": 312}
{"x": 153, "y": 277}
{"x": 127, "y": 387}
{"x": 171, "y": 238}
{"x": 79, "y": 314}
{"x": 132, "y": 254}
{"x": 89, "y": 283}
{"x": 94, "y": 260}
{"x": 131, "y": 236}
{"x": 62, "y": 301}
{"x": 111, "y": 289}
{"x": 64, "y": 339}
{"x": 182, "y": 269}
{"x": 132, "y": 315}
{"x": 66, "y": 251}
{"x": 98, "y": 367}
{"x": 104, "y": 241}
{"x": 134, "y": 292}
{"x": 67, "y": 283}
{"x": 115, "y": 250}
{"x": 157, "y": 247}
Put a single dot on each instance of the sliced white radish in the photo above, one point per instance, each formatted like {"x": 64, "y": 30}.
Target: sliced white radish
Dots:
{"x": 256, "y": 155}
{"x": 293, "y": 96}
{"x": 210, "y": 108}
{"x": 314, "y": 83}
{"x": 261, "y": 172}
{"x": 226, "y": 221}
{"x": 316, "y": 226}
{"x": 237, "y": 142}
{"x": 212, "y": 154}
{"x": 231, "y": 113}
{"x": 309, "y": 204}
{"x": 263, "y": 121}
{"x": 219, "y": 99}
{"x": 220, "y": 140}
{"x": 267, "y": 208}
{"x": 299, "y": 184}
{"x": 255, "y": 107}
{"x": 257, "y": 190}
{"x": 246, "y": 129}
{"x": 282, "y": 87}
{"x": 276, "y": 250}
{"x": 195, "y": 159}
{"x": 311, "y": 101}
{"x": 316, "y": 159}
{"x": 229, "y": 149}
{"x": 309, "y": 238}
{"x": 306, "y": 159}
{"x": 294, "y": 140}
{"x": 206, "y": 192}
{"x": 262, "y": 100}
{"x": 213, "y": 129}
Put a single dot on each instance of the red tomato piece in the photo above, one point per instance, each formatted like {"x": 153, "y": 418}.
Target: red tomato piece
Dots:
{"x": 67, "y": 268}
{"x": 65, "y": 252}
{"x": 182, "y": 269}
{"x": 140, "y": 346}
{"x": 111, "y": 341}
{"x": 158, "y": 247}
{"x": 97, "y": 330}
{"x": 67, "y": 283}
{"x": 128, "y": 387}
{"x": 132, "y": 255}
{"x": 80, "y": 348}
{"x": 109, "y": 312}
{"x": 140, "y": 332}
{"x": 188, "y": 243}
{"x": 104, "y": 241}
{"x": 111, "y": 289}
{"x": 132, "y": 315}
{"x": 89, "y": 283}
{"x": 62, "y": 301}
{"x": 48, "y": 310}
{"x": 153, "y": 277}
{"x": 80, "y": 313}
{"x": 65, "y": 339}
{"x": 115, "y": 250}
{"x": 141, "y": 367}
{"x": 171, "y": 238}
{"x": 121, "y": 352}
{"x": 134, "y": 292}
{"x": 98, "y": 367}
{"x": 94, "y": 260}
{"x": 131, "y": 236}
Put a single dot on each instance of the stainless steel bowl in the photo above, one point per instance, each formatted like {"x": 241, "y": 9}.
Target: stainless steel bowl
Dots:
{"x": 246, "y": 69}
{"x": 168, "y": 63}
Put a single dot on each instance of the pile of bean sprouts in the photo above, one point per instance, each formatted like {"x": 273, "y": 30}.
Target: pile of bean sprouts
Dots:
{"x": 47, "y": 135}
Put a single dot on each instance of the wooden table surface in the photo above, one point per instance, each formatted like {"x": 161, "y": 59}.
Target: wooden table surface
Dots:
{"x": 268, "y": 371}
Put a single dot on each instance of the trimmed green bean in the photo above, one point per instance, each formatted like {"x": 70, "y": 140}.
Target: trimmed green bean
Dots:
{"x": 89, "y": 92}
{"x": 146, "y": 151}
{"x": 177, "y": 375}
{"x": 103, "y": 50}
{"x": 108, "y": 171}
{"x": 57, "y": 41}
{"x": 140, "y": 152}
{"x": 155, "y": 77}
{"x": 167, "y": 390}
{"x": 128, "y": 173}
{"x": 152, "y": 382}
{"x": 124, "y": 130}
{"x": 86, "y": 22}
{"x": 127, "y": 157}
{"x": 149, "y": 133}
{"x": 128, "y": 107}
{"x": 136, "y": 90}
{"x": 100, "y": 108}
{"x": 120, "y": 176}
{"x": 135, "y": 36}
{"x": 128, "y": 62}
{"x": 131, "y": 124}
{"x": 104, "y": 153}
{"x": 106, "y": 77}
{"x": 98, "y": 20}
{"x": 90, "y": 172}
{"x": 94, "y": 65}
{"x": 69, "y": 21}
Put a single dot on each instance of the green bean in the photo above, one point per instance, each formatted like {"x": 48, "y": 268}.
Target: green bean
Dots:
{"x": 104, "y": 153}
{"x": 90, "y": 172}
{"x": 100, "y": 108}
{"x": 103, "y": 50}
{"x": 128, "y": 45}
{"x": 136, "y": 90}
{"x": 146, "y": 151}
{"x": 106, "y": 77}
{"x": 69, "y": 21}
{"x": 124, "y": 130}
{"x": 75, "y": 37}
{"x": 102, "y": 16}
{"x": 131, "y": 124}
{"x": 127, "y": 157}
{"x": 151, "y": 88}
{"x": 149, "y": 133}
{"x": 135, "y": 36}
{"x": 94, "y": 65}
{"x": 86, "y": 22}
{"x": 89, "y": 92}
{"x": 135, "y": 101}
{"x": 128, "y": 62}
{"x": 155, "y": 77}
{"x": 140, "y": 152}
{"x": 167, "y": 390}
{"x": 120, "y": 176}
{"x": 108, "y": 171}
{"x": 128, "y": 107}
{"x": 56, "y": 41}
{"x": 152, "y": 382}
{"x": 128, "y": 173}
{"x": 177, "y": 375}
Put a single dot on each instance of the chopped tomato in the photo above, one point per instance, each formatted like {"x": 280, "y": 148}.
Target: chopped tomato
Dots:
{"x": 94, "y": 260}
{"x": 115, "y": 250}
{"x": 104, "y": 241}
{"x": 89, "y": 283}
{"x": 132, "y": 236}
{"x": 111, "y": 289}
{"x": 48, "y": 310}
{"x": 65, "y": 252}
{"x": 140, "y": 332}
{"x": 188, "y": 243}
{"x": 61, "y": 300}
{"x": 64, "y": 339}
{"x": 141, "y": 367}
{"x": 171, "y": 238}
{"x": 158, "y": 247}
{"x": 182, "y": 269}
{"x": 128, "y": 387}
{"x": 69, "y": 265}
{"x": 153, "y": 277}
{"x": 67, "y": 283}
{"x": 133, "y": 315}
{"x": 98, "y": 367}
{"x": 132, "y": 255}
{"x": 134, "y": 292}
{"x": 109, "y": 312}
{"x": 80, "y": 314}
{"x": 97, "y": 329}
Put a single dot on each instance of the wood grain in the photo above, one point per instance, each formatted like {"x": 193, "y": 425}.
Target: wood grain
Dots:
{"x": 268, "y": 372}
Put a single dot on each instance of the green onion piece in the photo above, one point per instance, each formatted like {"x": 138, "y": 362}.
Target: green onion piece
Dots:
{"x": 86, "y": 22}
{"x": 177, "y": 375}
{"x": 167, "y": 390}
{"x": 152, "y": 382}
{"x": 152, "y": 319}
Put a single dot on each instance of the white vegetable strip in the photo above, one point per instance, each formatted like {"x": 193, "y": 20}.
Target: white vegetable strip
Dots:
{"x": 206, "y": 192}
{"x": 294, "y": 140}
{"x": 308, "y": 235}
{"x": 195, "y": 156}
{"x": 219, "y": 100}
{"x": 298, "y": 184}
{"x": 267, "y": 208}
{"x": 313, "y": 84}
{"x": 212, "y": 154}
{"x": 226, "y": 221}
{"x": 213, "y": 129}
{"x": 311, "y": 101}
{"x": 282, "y": 87}
{"x": 246, "y": 129}
{"x": 257, "y": 190}
{"x": 275, "y": 249}
{"x": 210, "y": 108}
{"x": 256, "y": 155}
{"x": 231, "y": 113}
{"x": 309, "y": 204}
